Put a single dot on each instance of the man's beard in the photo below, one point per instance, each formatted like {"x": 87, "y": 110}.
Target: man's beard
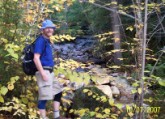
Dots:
{"x": 46, "y": 34}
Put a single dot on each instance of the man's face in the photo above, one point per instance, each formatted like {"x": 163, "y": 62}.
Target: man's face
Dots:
{"x": 48, "y": 31}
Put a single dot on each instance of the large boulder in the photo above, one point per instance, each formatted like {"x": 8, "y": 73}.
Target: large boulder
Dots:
{"x": 125, "y": 89}
{"x": 104, "y": 80}
{"x": 106, "y": 90}
{"x": 115, "y": 91}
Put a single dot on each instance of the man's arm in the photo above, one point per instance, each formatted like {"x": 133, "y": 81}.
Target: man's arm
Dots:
{"x": 39, "y": 66}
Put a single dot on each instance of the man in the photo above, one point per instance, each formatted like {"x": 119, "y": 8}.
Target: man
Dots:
{"x": 49, "y": 87}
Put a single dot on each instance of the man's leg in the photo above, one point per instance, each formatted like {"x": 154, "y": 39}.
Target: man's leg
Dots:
{"x": 42, "y": 108}
{"x": 56, "y": 105}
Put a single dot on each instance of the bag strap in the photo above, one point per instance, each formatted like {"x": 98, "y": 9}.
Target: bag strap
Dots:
{"x": 45, "y": 43}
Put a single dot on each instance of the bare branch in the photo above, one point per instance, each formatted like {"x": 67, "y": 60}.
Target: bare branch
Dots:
{"x": 157, "y": 61}
{"x": 112, "y": 10}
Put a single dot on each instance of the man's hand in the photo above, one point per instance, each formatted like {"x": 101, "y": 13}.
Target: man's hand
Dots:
{"x": 44, "y": 76}
{"x": 39, "y": 66}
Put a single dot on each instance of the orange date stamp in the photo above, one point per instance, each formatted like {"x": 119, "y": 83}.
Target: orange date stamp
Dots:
{"x": 146, "y": 109}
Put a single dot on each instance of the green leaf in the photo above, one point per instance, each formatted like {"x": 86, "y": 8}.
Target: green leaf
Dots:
{"x": 130, "y": 114}
{"x": 130, "y": 28}
{"x": 92, "y": 114}
{"x": 111, "y": 102}
{"x": 135, "y": 84}
{"x": 85, "y": 90}
{"x": 133, "y": 91}
{"x": 81, "y": 112}
{"x": 161, "y": 82}
{"x": 4, "y": 90}
{"x": 139, "y": 90}
{"x": 97, "y": 109}
{"x": 1, "y": 99}
{"x": 119, "y": 105}
{"x": 107, "y": 111}
{"x": 99, "y": 115}
{"x": 90, "y": 93}
{"x": 25, "y": 100}
{"x": 114, "y": 116}
{"x": 103, "y": 98}
{"x": 14, "y": 55}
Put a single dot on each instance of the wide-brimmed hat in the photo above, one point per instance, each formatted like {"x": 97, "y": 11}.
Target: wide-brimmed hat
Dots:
{"x": 46, "y": 24}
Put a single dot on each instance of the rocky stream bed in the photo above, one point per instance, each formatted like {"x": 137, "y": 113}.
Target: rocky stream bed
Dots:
{"x": 113, "y": 85}
{"x": 81, "y": 50}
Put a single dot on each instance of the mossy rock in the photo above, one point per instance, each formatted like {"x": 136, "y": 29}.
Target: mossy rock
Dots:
{"x": 82, "y": 100}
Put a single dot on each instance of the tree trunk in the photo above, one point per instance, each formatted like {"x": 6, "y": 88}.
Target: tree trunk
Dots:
{"x": 141, "y": 35}
{"x": 116, "y": 36}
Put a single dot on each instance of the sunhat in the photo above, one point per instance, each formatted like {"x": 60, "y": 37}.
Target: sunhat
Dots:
{"x": 46, "y": 24}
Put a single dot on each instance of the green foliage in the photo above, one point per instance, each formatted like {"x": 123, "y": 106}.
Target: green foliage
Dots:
{"x": 81, "y": 18}
{"x": 93, "y": 103}
{"x": 158, "y": 70}
{"x": 86, "y": 98}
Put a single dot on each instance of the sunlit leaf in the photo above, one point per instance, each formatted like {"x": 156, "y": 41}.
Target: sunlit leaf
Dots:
{"x": 139, "y": 90}
{"x": 161, "y": 82}
{"x": 92, "y": 114}
{"x": 1, "y": 99}
{"x": 119, "y": 105}
{"x": 111, "y": 102}
{"x": 97, "y": 109}
{"x": 130, "y": 114}
{"x": 3, "y": 90}
{"x": 133, "y": 91}
{"x": 85, "y": 90}
{"x": 90, "y": 93}
{"x": 24, "y": 100}
{"x": 10, "y": 86}
{"x": 107, "y": 111}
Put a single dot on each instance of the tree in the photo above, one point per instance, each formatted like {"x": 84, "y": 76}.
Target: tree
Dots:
{"x": 116, "y": 36}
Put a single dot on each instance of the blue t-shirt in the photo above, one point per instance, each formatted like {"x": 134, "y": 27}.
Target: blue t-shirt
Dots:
{"x": 43, "y": 47}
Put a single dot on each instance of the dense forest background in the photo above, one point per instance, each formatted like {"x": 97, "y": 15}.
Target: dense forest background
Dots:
{"x": 130, "y": 40}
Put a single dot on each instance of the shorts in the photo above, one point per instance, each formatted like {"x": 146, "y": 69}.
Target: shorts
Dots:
{"x": 47, "y": 89}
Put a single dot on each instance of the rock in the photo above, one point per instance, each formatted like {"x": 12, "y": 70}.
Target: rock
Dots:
{"x": 115, "y": 90}
{"x": 70, "y": 45}
{"x": 65, "y": 48}
{"x": 125, "y": 89}
{"x": 106, "y": 90}
{"x": 65, "y": 52}
{"x": 64, "y": 57}
{"x": 103, "y": 80}
{"x": 87, "y": 49}
{"x": 123, "y": 84}
{"x": 83, "y": 58}
{"x": 63, "y": 82}
{"x": 57, "y": 47}
{"x": 90, "y": 66}
{"x": 115, "y": 74}
{"x": 77, "y": 53}
{"x": 126, "y": 96}
{"x": 79, "y": 69}
{"x": 112, "y": 83}
{"x": 76, "y": 86}
{"x": 99, "y": 70}
{"x": 61, "y": 76}
{"x": 79, "y": 50}
{"x": 70, "y": 55}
